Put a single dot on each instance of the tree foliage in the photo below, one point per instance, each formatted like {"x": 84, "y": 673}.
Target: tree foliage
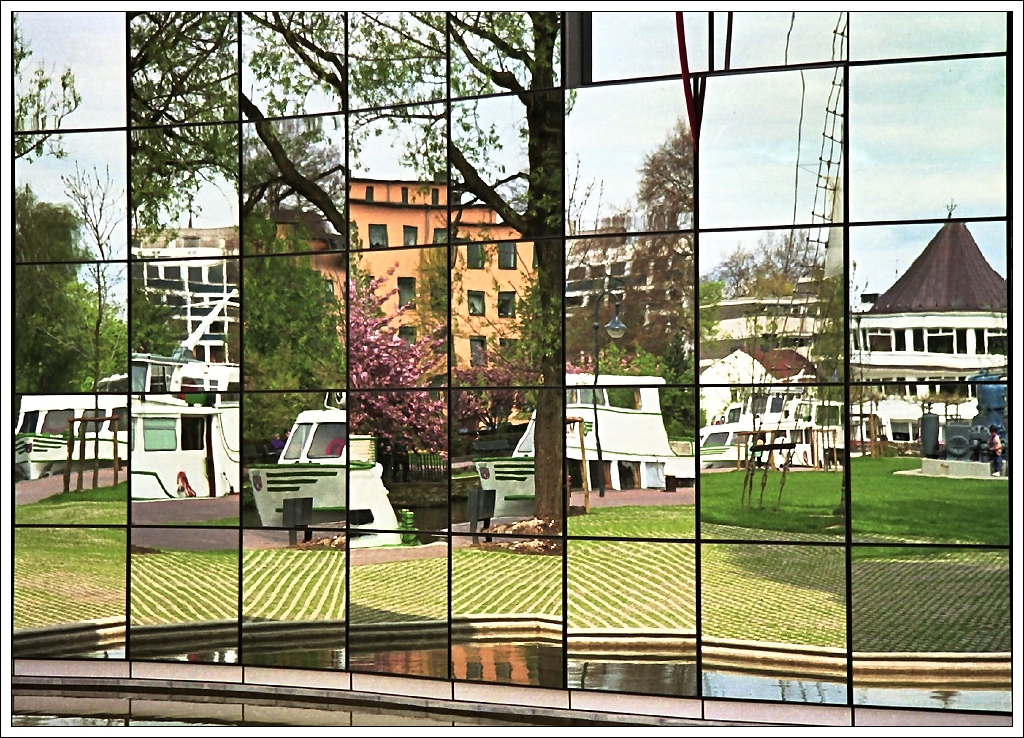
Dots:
{"x": 39, "y": 105}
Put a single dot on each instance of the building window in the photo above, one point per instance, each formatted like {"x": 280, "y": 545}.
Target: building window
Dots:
{"x": 940, "y": 340}
{"x": 996, "y": 343}
{"x": 961, "y": 340}
{"x": 405, "y": 195}
{"x": 901, "y": 339}
{"x": 506, "y": 256}
{"x": 475, "y": 256}
{"x": 410, "y": 235}
{"x": 477, "y": 351}
{"x": 440, "y": 235}
{"x": 506, "y": 304}
{"x": 378, "y": 236}
{"x": 475, "y": 300}
{"x": 408, "y": 334}
{"x": 880, "y": 340}
{"x": 174, "y": 272}
{"x": 195, "y": 275}
{"x": 918, "y": 339}
{"x": 369, "y": 194}
{"x": 152, "y": 271}
{"x": 407, "y": 292}
{"x": 435, "y": 196}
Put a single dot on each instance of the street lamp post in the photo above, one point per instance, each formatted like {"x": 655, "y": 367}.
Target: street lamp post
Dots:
{"x": 616, "y": 329}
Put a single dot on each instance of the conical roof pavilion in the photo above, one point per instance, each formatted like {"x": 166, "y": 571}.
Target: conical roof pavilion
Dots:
{"x": 950, "y": 275}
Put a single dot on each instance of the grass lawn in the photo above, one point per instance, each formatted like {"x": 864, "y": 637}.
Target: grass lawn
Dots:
{"x": 668, "y": 521}
{"x": 809, "y": 500}
{"x": 101, "y": 506}
{"x": 908, "y": 508}
{"x": 885, "y": 507}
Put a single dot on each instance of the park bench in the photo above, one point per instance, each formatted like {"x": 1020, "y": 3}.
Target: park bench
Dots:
{"x": 299, "y": 513}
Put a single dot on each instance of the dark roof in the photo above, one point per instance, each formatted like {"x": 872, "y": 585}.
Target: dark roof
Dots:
{"x": 951, "y": 274}
{"x": 782, "y": 363}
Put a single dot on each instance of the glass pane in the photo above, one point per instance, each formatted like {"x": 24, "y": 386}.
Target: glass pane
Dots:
{"x": 396, "y": 58}
{"x": 405, "y": 435}
{"x": 893, "y": 35}
{"x": 381, "y": 356}
{"x": 185, "y": 459}
{"x": 72, "y": 327}
{"x": 72, "y": 207}
{"x": 184, "y": 68}
{"x": 290, "y": 586}
{"x": 400, "y": 611}
{"x": 763, "y": 173}
{"x": 301, "y": 306}
{"x": 185, "y": 184}
{"x": 184, "y": 594}
{"x": 399, "y": 183}
{"x": 900, "y": 172}
{"x": 764, "y": 39}
{"x": 635, "y": 44}
{"x": 97, "y": 485}
{"x": 70, "y": 582}
{"x": 188, "y": 304}
{"x": 512, "y": 585}
{"x": 944, "y": 643}
{"x": 944, "y": 444}
{"x": 308, "y": 158}
{"x": 77, "y": 54}
{"x": 644, "y": 182}
{"x": 772, "y": 463}
{"x": 293, "y": 63}
{"x": 772, "y": 306}
{"x": 773, "y": 622}
{"x": 646, "y": 639}
{"x": 504, "y": 52}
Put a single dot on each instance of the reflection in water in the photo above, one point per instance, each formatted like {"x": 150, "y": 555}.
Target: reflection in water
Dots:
{"x": 947, "y": 699}
{"x": 756, "y": 687}
{"x": 308, "y": 658}
{"x": 673, "y": 678}
{"x": 534, "y": 664}
{"x": 430, "y": 662}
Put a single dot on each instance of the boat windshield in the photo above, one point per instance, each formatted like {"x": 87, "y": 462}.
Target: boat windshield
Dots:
{"x": 297, "y": 440}
{"x": 56, "y": 421}
{"x": 716, "y": 439}
{"x": 328, "y": 441}
{"x": 139, "y": 377}
{"x": 29, "y": 421}
{"x": 734, "y": 415}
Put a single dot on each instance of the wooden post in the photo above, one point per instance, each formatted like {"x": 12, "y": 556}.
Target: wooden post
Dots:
{"x": 81, "y": 455}
{"x": 96, "y": 457}
{"x": 71, "y": 453}
{"x": 113, "y": 428}
{"x": 586, "y": 471}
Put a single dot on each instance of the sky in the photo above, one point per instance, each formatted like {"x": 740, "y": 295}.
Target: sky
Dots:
{"x": 921, "y": 135}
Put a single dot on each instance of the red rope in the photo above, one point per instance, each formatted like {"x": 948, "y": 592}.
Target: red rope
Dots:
{"x": 691, "y": 109}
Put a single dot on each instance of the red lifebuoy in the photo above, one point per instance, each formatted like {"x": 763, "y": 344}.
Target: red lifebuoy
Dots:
{"x": 335, "y": 447}
{"x": 184, "y": 488}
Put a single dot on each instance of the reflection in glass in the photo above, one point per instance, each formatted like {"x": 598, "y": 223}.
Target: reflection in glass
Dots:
{"x": 399, "y": 611}
{"x": 293, "y": 599}
{"x": 944, "y": 445}
{"x": 309, "y": 286}
{"x": 507, "y": 611}
{"x": 908, "y": 169}
{"x": 293, "y": 63}
{"x": 72, "y": 207}
{"x": 627, "y": 45}
{"x": 773, "y": 622}
{"x": 386, "y": 70}
{"x": 945, "y": 641}
{"x": 772, "y": 306}
{"x": 772, "y": 463}
{"x": 72, "y": 583}
{"x": 308, "y": 158}
{"x": 184, "y": 594}
{"x": 504, "y": 52}
{"x": 50, "y": 432}
{"x": 71, "y": 323}
{"x": 185, "y": 455}
{"x": 70, "y": 59}
{"x": 398, "y": 315}
{"x": 632, "y": 617}
{"x": 893, "y": 35}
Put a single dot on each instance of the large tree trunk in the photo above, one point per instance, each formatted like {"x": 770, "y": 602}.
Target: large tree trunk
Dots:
{"x": 545, "y": 114}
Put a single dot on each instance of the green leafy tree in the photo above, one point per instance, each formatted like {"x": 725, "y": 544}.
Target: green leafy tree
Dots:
{"x": 154, "y": 328}
{"x": 41, "y": 102}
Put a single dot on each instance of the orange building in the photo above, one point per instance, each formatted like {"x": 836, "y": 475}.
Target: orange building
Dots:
{"x": 400, "y": 233}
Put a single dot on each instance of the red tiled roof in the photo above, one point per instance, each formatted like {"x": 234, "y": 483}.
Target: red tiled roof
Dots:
{"x": 782, "y": 363}
{"x": 951, "y": 274}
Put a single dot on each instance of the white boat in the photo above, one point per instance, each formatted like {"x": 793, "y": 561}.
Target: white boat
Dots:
{"x": 634, "y": 444}
{"x": 41, "y": 439}
{"x": 814, "y": 427}
{"x": 312, "y": 465}
{"x": 185, "y": 421}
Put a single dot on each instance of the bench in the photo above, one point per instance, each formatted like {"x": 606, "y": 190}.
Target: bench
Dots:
{"x": 298, "y": 512}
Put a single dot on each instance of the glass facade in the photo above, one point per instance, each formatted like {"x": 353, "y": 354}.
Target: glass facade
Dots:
{"x": 483, "y": 347}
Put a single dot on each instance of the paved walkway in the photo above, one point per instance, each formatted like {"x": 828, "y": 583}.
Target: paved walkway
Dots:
{"x": 28, "y": 491}
{"x": 644, "y": 497}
